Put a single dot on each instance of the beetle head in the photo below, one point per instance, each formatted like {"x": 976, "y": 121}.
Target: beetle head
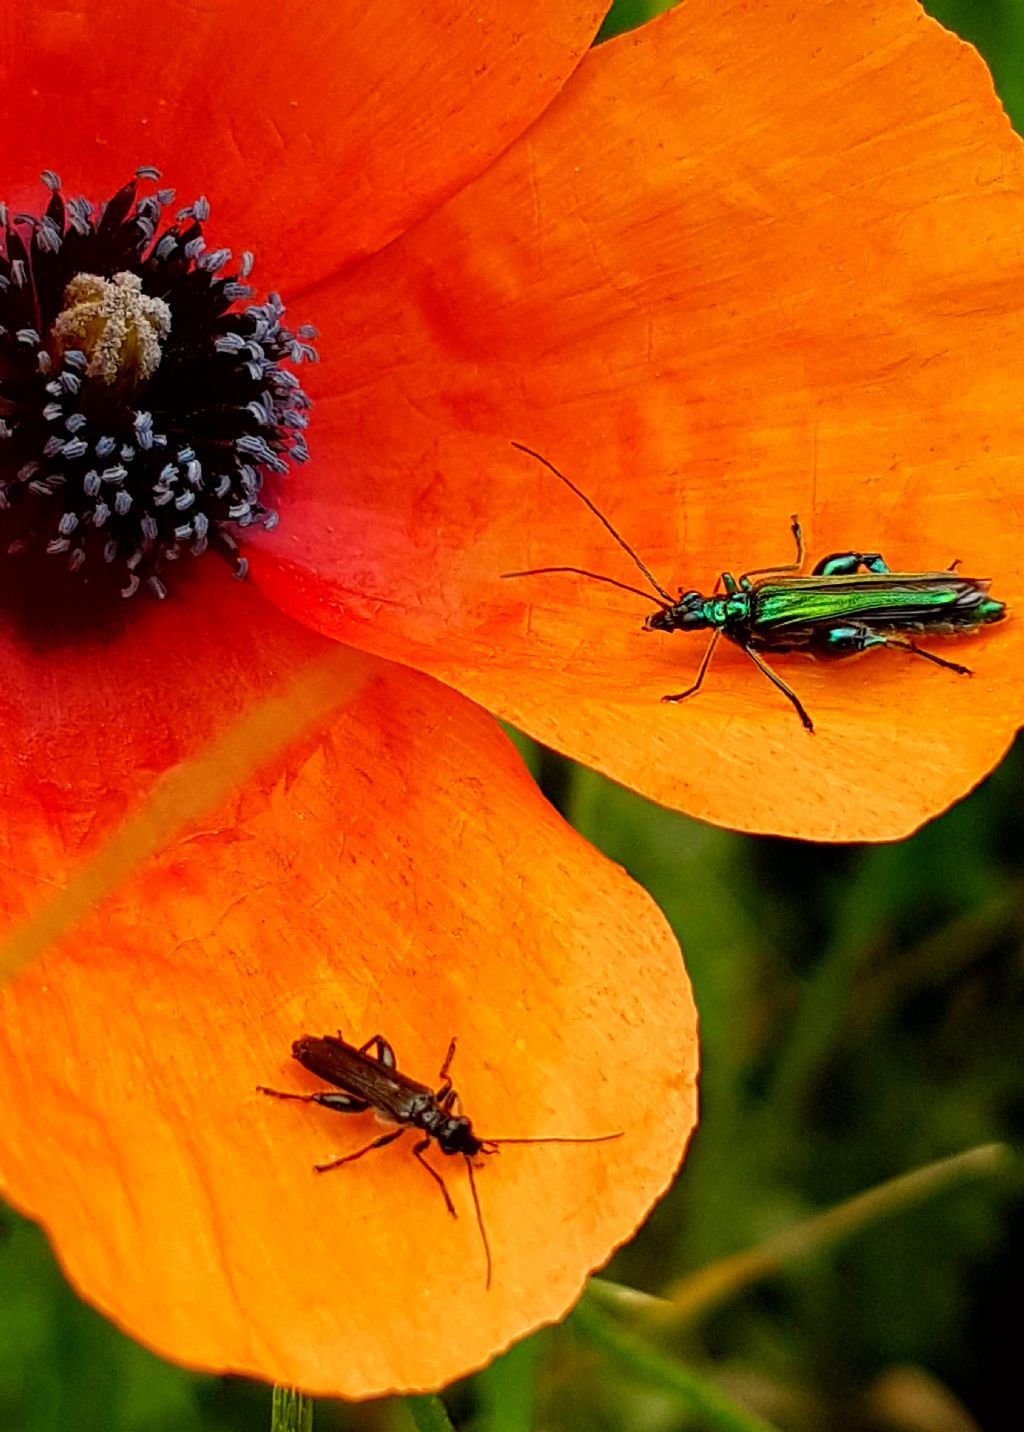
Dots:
{"x": 456, "y": 1136}
{"x": 689, "y": 613}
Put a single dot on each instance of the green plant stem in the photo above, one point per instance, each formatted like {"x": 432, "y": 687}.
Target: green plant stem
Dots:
{"x": 428, "y": 1414}
{"x": 654, "y": 1368}
{"x": 291, "y": 1411}
{"x": 506, "y": 1390}
{"x": 697, "y": 1293}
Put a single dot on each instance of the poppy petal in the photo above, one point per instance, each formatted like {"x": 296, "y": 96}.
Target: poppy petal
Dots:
{"x": 736, "y": 272}
{"x": 392, "y": 871}
{"x": 340, "y": 124}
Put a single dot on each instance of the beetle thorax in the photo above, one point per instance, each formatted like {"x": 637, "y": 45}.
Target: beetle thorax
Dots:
{"x": 731, "y": 610}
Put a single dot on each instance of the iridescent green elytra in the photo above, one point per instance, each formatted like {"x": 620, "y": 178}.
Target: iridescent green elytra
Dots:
{"x": 850, "y": 603}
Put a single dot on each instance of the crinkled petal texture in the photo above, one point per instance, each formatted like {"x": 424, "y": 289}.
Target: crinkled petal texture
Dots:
{"x": 394, "y": 871}
{"x": 319, "y": 130}
{"x": 756, "y": 260}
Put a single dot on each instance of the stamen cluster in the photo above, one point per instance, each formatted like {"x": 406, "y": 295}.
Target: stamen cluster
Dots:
{"x": 143, "y": 397}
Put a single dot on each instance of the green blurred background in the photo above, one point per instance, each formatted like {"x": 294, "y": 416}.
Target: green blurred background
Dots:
{"x": 861, "y": 1015}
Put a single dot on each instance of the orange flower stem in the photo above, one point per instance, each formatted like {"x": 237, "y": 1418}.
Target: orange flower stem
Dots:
{"x": 291, "y": 1411}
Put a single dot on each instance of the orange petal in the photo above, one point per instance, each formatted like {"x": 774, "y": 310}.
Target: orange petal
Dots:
{"x": 393, "y": 871}
{"x": 318, "y": 131}
{"x": 736, "y": 272}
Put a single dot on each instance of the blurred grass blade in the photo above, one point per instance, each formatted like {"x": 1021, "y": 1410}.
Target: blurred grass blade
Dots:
{"x": 688, "y": 1390}
{"x": 506, "y": 1390}
{"x": 428, "y": 1413}
{"x": 699, "y": 1292}
{"x": 622, "y": 1299}
{"x": 291, "y": 1411}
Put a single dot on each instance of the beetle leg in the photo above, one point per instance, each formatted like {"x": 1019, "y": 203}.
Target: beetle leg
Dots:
{"x": 786, "y": 691}
{"x": 448, "y": 1060}
{"x": 342, "y": 1103}
{"x": 445, "y": 1086}
{"x": 798, "y": 535}
{"x": 851, "y": 639}
{"x": 848, "y": 640}
{"x": 380, "y": 1143}
{"x": 692, "y": 690}
{"x": 418, "y": 1150}
{"x": 385, "y": 1054}
{"x": 928, "y": 655}
{"x": 845, "y": 564}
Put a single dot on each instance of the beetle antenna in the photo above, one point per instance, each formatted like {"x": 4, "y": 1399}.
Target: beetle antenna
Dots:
{"x": 655, "y": 584}
{"x": 479, "y": 1217}
{"x": 490, "y": 1146}
{"x": 596, "y": 1139}
{"x": 594, "y": 577}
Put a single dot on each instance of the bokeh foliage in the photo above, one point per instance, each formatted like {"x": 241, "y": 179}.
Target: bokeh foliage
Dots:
{"x": 861, "y": 1012}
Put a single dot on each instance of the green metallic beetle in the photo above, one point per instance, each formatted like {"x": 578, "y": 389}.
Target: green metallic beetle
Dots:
{"x": 850, "y": 603}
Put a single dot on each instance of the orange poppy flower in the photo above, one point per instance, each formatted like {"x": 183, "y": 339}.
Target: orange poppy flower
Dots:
{"x": 756, "y": 260}
{"x": 225, "y": 831}
{"x": 681, "y": 268}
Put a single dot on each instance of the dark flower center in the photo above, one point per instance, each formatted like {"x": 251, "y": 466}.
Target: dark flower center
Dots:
{"x": 144, "y": 399}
